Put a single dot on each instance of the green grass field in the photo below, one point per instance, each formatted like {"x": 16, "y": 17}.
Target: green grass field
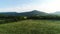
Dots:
{"x": 31, "y": 27}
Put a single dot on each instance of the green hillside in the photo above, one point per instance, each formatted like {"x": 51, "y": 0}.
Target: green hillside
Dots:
{"x": 31, "y": 27}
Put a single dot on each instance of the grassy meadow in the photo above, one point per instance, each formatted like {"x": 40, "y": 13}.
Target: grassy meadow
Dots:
{"x": 31, "y": 27}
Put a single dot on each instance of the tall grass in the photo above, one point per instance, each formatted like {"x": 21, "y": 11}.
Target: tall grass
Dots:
{"x": 31, "y": 27}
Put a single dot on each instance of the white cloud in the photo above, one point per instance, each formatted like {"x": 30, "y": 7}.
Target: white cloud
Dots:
{"x": 46, "y": 7}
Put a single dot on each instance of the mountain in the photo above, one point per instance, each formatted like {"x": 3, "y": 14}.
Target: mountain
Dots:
{"x": 56, "y": 13}
{"x": 30, "y": 13}
{"x": 8, "y": 13}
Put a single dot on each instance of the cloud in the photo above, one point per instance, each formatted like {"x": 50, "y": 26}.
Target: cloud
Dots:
{"x": 48, "y": 6}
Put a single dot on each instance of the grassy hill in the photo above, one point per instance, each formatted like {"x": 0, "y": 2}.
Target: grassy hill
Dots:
{"x": 31, "y": 27}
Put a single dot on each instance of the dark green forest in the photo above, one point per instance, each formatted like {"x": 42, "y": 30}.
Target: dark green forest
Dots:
{"x": 6, "y": 19}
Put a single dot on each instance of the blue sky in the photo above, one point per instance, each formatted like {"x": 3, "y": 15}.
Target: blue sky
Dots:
{"x": 14, "y": 3}
{"x": 27, "y": 5}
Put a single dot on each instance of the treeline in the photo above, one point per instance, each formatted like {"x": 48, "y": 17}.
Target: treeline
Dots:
{"x": 56, "y": 17}
{"x": 32, "y": 17}
{"x": 6, "y": 18}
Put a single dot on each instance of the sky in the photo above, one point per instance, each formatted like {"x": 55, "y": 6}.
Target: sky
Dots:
{"x": 48, "y": 6}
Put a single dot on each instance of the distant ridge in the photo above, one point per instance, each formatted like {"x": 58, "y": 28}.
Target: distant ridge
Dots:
{"x": 8, "y": 12}
{"x": 30, "y": 13}
{"x": 56, "y": 13}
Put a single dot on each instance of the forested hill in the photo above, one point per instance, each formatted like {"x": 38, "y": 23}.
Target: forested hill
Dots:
{"x": 30, "y": 13}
